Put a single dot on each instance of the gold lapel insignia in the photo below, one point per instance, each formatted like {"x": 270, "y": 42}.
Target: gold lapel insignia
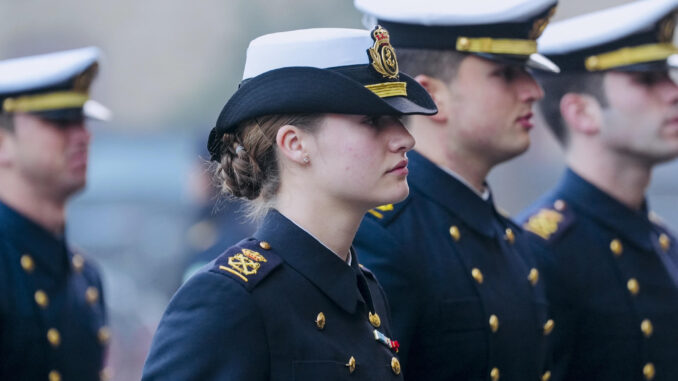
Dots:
{"x": 544, "y": 223}
{"x": 383, "y": 208}
{"x": 382, "y": 55}
{"x": 540, "y": 24}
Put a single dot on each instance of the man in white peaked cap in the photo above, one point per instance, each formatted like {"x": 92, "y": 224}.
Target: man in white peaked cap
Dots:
{"x": 610, "y": 267}
{"x": 467, "y": 299}
{"x": 52, "y": 312}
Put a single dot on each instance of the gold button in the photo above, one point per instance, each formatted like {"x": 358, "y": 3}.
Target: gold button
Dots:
{"x": 54, "y": 376}
{"x": 104, "y": 335}
{"x": 463, "y": 43}
{"x": 616, "y": 247}
{"x": 351, "y": 364}
{"x": 509, "y": 236}
{"x": 477, "y": 275}
{"x": 664, "y": 241}
{"x": 320, "y": 321}
{"x": 494, "y": 374}
{"x": 395, "y": 365}
{"x": 455, "y": 233}
{"x": 633, "y": 286}
{"x": 646, "y": 327}
{"x": 92, "y": 295}
{"x": 78, "y": 262}
{"x": 375, "y": 320}
{"x": 494, "y": 323}
{"x": 648, "y": 371}
{"x": 559, "y": 205}
{"x": 265, "y": 245}
{"x": 546, "y": 376}
{"x": 548, "y": 327}
{"x": 105, "y": 374}
{"x": 533, "y": 276}
{"x": 27, "y": 263}
{"x": 41, "y": 298}
{"x": 53, "y": 337}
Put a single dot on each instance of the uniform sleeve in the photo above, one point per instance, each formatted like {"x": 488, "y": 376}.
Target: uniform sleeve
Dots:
{"x": 397, "y": 274}
{"x": 211, "y": 330}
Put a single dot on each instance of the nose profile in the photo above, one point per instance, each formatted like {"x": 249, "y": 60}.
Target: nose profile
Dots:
{"x": 671, "y": 92}
{"x": 402, "y": 140}
{"x": 530, "y": 89}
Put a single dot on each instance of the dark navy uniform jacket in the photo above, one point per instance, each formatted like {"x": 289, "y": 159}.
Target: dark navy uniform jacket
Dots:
{"x": 466, "y": 296}
{"x": 52, "y": 315}
{"x": 612, "y": 279}
{"x": 279, "y": 306}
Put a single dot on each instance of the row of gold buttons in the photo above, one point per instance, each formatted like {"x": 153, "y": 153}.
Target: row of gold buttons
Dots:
{"x": 321, "y": 321}
{"x": 42, "y": 300}
{"x": 633, "y": 286}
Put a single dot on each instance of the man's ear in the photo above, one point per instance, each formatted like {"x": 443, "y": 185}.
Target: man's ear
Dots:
{"x": 437, "y": 89}
{"x": 290, "y": 142}
{"x": 582, "y": 112}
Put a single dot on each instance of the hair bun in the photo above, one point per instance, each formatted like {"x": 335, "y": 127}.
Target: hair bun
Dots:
{"x": 239, "y": 172}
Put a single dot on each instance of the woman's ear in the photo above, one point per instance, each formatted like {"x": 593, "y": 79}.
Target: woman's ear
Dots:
{"x": 582, "y": 112}
{"x": 437, "y": 89}
{"x": 290, "y": 141}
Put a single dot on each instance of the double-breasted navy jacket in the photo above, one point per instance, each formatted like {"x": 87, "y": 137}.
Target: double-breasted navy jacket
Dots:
{"x": 465, "y": 292}
{"x": 612, "y": 279}
{"x": 52, "y": 314}
{"x": 278, "y": 306}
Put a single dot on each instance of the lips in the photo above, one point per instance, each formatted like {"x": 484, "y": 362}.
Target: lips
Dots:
{"x": 526, "y": 121}
{"x": 400, "y": 168}
{"x": 78, "y": 159}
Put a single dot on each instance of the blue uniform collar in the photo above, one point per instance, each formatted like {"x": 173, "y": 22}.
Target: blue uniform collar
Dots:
{"x": 634, "y": 226}
{"x": 451, "y": 194}
{"x": 313, "y": 260}
{"x": 48, "y": 251}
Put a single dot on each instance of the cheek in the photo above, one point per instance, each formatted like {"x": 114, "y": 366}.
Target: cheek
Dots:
{"x": 356, "y": 156}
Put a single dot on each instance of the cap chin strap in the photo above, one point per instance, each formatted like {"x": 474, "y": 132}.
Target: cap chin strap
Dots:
{"x": 45, "y": 102}
{"x": 388, "y": 89}
{"x": 630, "y": 56}
{"x": 496, "y": 46}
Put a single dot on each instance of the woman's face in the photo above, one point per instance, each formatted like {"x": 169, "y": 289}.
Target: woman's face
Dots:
{"x": 360, "y": 160}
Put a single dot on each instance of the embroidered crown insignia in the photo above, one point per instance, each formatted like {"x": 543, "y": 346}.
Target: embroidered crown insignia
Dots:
{"x": 382, "y": 55}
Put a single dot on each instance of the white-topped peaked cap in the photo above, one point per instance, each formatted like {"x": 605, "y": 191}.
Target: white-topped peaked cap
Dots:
{"x": 625, "y": 37}
{"x": 320, "y": 48}
{"x": 318, "y": 71}
{"x": 502, "y": 30}
{"x": 54, "y": 85}
{"x": 446, "y": 12}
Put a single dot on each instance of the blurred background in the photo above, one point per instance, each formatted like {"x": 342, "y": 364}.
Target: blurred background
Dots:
{"x": 148, "y": 216}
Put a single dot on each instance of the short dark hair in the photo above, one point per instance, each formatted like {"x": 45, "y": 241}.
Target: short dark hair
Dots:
{"x": 556, "y": 86}
{"x": 441, "y": 64}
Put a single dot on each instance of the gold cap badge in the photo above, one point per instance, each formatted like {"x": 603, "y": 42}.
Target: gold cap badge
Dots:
{"x": 382, "y": 55}
{"x": 540, "y": 24}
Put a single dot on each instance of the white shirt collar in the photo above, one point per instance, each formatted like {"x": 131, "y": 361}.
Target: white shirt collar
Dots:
{"x": 349, "y": 258}
{"x": 485, "y": 195}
